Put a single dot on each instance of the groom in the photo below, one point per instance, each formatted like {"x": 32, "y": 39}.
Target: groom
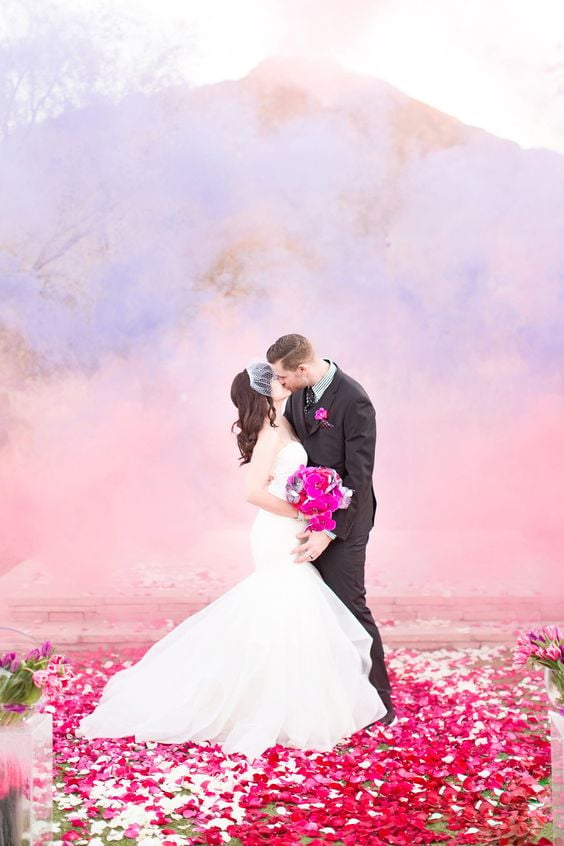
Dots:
{"x": 335, "y": 421}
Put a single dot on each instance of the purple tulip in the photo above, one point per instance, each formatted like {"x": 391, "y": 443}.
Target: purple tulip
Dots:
{"x": 46, "y": 649}
{"x": 16, "y": 707}
{"x": 15, "y": 665}
{"x": 33, "y": 655}
{"x": 7, "y": 659}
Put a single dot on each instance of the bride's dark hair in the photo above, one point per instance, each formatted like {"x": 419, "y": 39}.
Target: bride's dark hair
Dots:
{"x": 252, "y": 408}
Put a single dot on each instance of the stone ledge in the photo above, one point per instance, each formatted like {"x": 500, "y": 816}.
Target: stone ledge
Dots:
{"x": 171, "y": 604}
{"x": 76, "y": 637}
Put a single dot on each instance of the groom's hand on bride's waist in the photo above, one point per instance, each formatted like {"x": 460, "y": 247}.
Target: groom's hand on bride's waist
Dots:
{"x": 313, "y": 544}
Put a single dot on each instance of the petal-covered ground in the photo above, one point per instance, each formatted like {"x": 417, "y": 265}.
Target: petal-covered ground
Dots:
{"x": 468, "y": 762}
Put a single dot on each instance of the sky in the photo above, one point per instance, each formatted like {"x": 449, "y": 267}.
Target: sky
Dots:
{"x": 496, "y": 64}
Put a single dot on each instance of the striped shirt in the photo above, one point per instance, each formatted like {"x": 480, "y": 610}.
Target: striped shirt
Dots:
{"x": 320, "y": 387}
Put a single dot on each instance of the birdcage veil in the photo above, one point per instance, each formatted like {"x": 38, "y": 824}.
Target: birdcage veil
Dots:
{"x": 260, "y": 376}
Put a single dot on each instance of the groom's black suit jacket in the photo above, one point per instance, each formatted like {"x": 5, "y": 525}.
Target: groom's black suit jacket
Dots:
{"x": 347, "y": 446}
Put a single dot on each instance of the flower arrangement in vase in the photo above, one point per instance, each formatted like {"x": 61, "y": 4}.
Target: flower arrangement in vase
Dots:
{"x": 23, "y": 681}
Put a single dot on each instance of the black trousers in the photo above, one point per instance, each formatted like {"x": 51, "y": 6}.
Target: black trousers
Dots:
{"x": 342, "y": 568}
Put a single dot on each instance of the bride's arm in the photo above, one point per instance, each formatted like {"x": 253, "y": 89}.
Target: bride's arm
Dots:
{"x": 258, "y": 473}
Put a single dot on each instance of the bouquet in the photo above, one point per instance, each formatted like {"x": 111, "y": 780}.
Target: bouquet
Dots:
{"x": 24, "y": 680}
{"x": 316, "y": 492}
{"x": 544, "y": 647}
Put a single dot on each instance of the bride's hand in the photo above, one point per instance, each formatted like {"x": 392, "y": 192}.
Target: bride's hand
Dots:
{"x": 314, "y": 543}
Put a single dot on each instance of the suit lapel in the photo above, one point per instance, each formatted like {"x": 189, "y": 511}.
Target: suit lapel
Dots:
{"x": 325, "y": 402}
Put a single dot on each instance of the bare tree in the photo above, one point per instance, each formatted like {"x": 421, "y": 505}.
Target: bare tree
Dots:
{"x": 53, "y": 56}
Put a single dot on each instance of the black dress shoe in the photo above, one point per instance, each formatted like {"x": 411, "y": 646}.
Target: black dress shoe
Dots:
{"x": 389, "y": 719}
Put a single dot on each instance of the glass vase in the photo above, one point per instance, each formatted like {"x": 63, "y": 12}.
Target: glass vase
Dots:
{"x": 9, "y": 717}
{"x": 26, "y": 792}
{"x": 554, "y": 686}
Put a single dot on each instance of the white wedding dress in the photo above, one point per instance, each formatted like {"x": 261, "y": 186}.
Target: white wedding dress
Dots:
{"x": 276, "y": 659}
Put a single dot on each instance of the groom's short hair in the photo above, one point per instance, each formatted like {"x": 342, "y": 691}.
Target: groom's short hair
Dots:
{"x": 290, "y": 351}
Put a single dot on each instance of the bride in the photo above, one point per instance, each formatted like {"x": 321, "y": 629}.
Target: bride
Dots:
{"x": 276, "y": 659}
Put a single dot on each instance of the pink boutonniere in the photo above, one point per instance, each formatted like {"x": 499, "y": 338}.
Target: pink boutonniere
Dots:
{"x": 322, "y": 415}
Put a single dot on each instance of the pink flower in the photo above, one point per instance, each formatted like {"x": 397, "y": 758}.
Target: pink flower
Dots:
{"x": 552, "y": 652}
{"x": 315, "y": 482}
{"x": 523, "y": 651}
{"x": 322, "y": 416}
{"x": 322, "y": 521}
{"x": 309, "y": 507}
{"x": 551, "y": 633}
{"x": 57, "y": 661}
{"x": 520, "y": 658}
{"x": 328, "y": 502}
{"x": 40, "y": 677}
